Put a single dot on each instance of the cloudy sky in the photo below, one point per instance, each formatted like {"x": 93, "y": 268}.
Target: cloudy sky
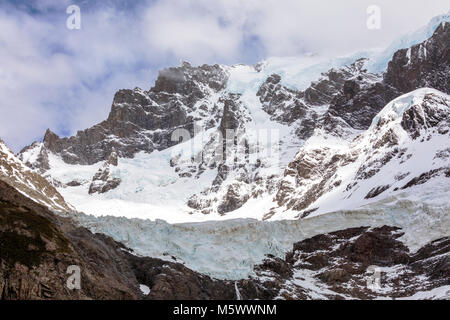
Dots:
{"x": 53, "y": 77}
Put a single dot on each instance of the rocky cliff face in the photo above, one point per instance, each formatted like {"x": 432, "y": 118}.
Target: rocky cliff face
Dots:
{"x": 37, "y": 248}
{"x": 424, "y": 65}
{"x": 303, "y": 107}
{"x": 383, "y": 159}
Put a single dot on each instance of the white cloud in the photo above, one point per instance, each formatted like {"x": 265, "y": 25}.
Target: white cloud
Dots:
{"x": 190, "y": 31}
{"x": 203, "y": 28}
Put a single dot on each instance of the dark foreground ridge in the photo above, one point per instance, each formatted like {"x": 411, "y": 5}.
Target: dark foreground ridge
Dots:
{"x": 37, "y": 247}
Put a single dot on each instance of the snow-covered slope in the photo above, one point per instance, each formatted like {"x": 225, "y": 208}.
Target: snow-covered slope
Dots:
{"x": 28, "y": 182}
{"x": 404, "y": 150}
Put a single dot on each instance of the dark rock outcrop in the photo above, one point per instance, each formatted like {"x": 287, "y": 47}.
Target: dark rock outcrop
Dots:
{"x": 421, "y": 117}
{"x": 104, "y": 181}
{"x": 299, "y": 108}
{"x": 424, "y": 65}
{"x": 358, "y": 106}
{"x": 37, "y": 247}
{"x": 340, "y": 263}
{"x": 233, "y": 200}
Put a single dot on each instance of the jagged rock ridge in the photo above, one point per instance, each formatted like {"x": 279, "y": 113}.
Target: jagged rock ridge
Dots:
{"x": 28, "y": 182}
{"x": 383, "y": 158}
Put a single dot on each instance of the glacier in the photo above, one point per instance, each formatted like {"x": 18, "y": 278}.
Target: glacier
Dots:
{"x": 238, "y": 245}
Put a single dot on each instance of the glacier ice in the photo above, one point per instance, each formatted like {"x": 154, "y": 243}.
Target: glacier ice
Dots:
{"x": 231, "y": 248}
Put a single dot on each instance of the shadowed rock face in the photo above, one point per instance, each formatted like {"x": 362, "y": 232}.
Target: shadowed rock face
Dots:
{"x": 424, "y": 116}
{"x": 299, "y": 108}
{"x": 173, "y": 281}
{"x": 424, "y": 65}
{"x": 357, "y": 106}
{"x": 37, "y": 247}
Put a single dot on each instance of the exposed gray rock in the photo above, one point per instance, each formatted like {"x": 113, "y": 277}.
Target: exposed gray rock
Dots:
{"x": 144, "y": 120}
{"x": 41, "y": 164}
{"x": 424, "y": 65}
{"x": 103, "y": 181}
{"x": 422, "y": 117}
{"x": 233, "y": 200}
{"x": 75, "y": 183}
{"x": 300, "y": 108}
{"x": 358, "y": 104}
{"x": 340, "y": 262}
